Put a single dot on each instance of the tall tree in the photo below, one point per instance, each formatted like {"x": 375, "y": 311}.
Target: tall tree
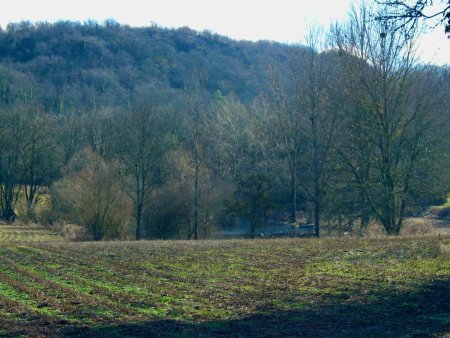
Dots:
{"x": 41, "y": 159}
{"x": 319, "y": 120}
{"x": 232, "y": 127}
{"x": 243, "y": 148}
{"x": 196, "y": 120}
{"x": 386, "y": 69}
{"x": 287, "y": 105}
{"x": 141, "y": 144}
{"x": 13, "y": 142}
{"x": 306, "y": 121}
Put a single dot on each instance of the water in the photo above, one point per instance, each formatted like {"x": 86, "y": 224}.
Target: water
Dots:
{"x": 269, "y": 228}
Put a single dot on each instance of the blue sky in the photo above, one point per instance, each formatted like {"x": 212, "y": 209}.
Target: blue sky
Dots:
{"x": 277, "y": 20}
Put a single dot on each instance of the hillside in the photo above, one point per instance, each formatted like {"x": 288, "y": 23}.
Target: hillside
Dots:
{"x": 389, "y": 287}
{"x": 71, "y": 64}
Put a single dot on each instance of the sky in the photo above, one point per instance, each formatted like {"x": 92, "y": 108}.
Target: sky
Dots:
{"x": 284, "y": 21}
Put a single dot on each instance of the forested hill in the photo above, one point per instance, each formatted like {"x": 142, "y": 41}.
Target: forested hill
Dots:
{"x": 72, "y": 64}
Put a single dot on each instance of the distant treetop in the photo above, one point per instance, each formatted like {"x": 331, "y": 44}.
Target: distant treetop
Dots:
{"x": 408, "y": 13}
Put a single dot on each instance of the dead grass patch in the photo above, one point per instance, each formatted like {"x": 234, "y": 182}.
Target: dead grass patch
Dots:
{"x": 416, "y": 226}
{"x": 375, "y": 230}
{"x": 73, "y": 232}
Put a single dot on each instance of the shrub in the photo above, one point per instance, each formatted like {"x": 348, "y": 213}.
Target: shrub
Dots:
{"x": 42, "y": 208}
{"x": 90, "y": 194}
{"x": 73, "y": 232}
{"x": 164, "y": 215}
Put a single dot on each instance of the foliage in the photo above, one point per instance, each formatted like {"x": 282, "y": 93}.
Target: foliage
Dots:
{"x": 82, "y": 65}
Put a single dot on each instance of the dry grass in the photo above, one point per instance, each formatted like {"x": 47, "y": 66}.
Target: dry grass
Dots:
{"x": 73, "y": 232}
{"x": 444, "y": 250}
{"x": 375, "y": 230}
{"x": 29, "y": 233}
{"x": 444, "y": 246}
{"x": 413, "y": 226}
{"x": 416, "y": 226}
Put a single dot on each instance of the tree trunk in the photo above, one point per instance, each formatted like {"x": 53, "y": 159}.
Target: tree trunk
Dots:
{"x": 138, "y": 221}
{"x": 293, "y": 215}
{"x": 317, "y": 218}
{"x": 7, "y": 200}
{"x": 9, "y": 215}
{"x": 253, "y": 223}
{"x": 140, "y": 198}
{"x": 365, "y": 206}
{"x": 30, "y": 196}
{"x": 316, "y": 170}
{"x": 197, "y": 195}
{"x": 31, "y": 215}
{"x": 293, "y": 169}
{"x": 364, "y": 220}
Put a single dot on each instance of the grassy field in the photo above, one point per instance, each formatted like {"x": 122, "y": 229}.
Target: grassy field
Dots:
{"x": 26, "y": 234}
{"x": 260, "y": 288}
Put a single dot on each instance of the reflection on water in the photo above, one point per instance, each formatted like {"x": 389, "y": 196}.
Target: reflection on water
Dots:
{"x": 267, "y": 228}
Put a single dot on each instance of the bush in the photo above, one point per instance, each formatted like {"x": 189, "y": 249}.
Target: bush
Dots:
{"x": 164, "y": 215}
{"x": 42, "y": 209}
{"x": 90, "y": 194}
{"x": 73, "y": 232}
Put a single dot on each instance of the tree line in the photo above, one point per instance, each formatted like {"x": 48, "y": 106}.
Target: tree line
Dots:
{"x": 349, "y": 129}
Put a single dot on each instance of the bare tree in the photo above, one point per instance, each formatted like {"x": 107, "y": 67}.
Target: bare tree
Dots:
{"x": 407, "y": 13}
{"x": 243, "y": 143}
{"x": 140, "y": 145}
{"x": 97, "y": 127}
{"x": 384, "y": 65}
{"x": 232, "y": 127}
{"x": 179, "y": 169}
{"x": 71, "y": 136}
{"x": 40, "y": 161}
{"x": 320, "y": 115}
{"x": 306, "y": 120}
{"x": 13, "y": 142}
{"x": 285, "y": 86}
{"x": 196, "y": 110}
